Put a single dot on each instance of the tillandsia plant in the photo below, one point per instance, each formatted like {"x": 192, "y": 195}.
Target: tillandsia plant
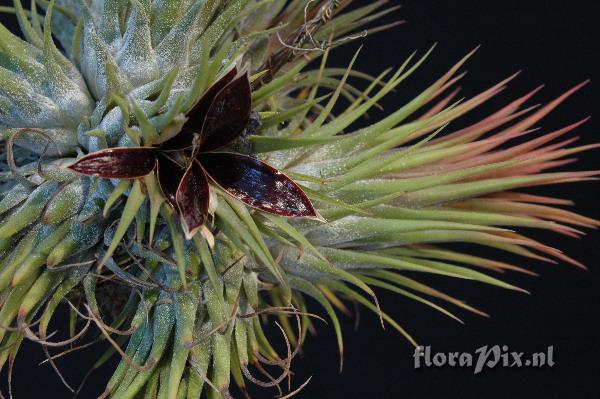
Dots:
{"x": 180, "y": 174}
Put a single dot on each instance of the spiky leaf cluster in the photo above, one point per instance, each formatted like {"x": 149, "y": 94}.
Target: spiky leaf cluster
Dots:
{"x": 188, "y": 316}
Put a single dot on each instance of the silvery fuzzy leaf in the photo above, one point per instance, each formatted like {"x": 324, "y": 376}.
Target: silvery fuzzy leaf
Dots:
{"x": 147, "y": 90}
{"x": 21, "y": 58}
{"x": 185, "y": 78}
{"x": 262, "y": 17}
{"x": 97, "y": 63}
{"x": 42, "y": 73}
{"x": 112, "y": 126}
{"x": 24, "y": 106}
{"x": 109, "y": 26}
{"x": 173, "y": 49}
{"x": 136, "y": 56}
{"x": 167, "y": 14}
{"x": 95, "y": 6}
{"x": 63, "y": 26}
{"x": 73, "y": 99}
{"x": 62, "y": 141}
{"x": 321, "y": 168}
{"x": 218, "y": 28}
{"x": 97, "y": 142}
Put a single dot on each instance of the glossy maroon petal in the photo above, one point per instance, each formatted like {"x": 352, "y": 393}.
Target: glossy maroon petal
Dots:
{"x": 169, "y": 173}
{"x": 197, "y": 115}
{"x": 228, "y": 114}
{"x": 193, "y": 199}
{"x": 117, "y": 163}
{"x": 257, "y": 184}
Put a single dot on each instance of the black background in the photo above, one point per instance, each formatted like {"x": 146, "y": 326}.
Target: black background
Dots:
{"x": 551, "y": 42}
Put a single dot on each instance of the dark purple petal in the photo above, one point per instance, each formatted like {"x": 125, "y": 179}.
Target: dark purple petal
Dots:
{"x": 117, "y": 163}
{"x": 228, "y": 114}
{"x": 169, "y": 173}
{"x": 197, "y": 115}
{"x": 257, "y": 184}
{"x": 193, "y": 199}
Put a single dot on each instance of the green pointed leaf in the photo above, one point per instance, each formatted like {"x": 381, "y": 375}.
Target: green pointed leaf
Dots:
{"x": 134, "y": 202}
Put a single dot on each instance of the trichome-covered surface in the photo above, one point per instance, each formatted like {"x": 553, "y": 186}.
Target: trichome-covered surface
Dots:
{"x": 181, "y": 282}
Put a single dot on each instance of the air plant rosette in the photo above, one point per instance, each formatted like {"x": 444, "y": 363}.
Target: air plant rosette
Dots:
{"x": 182, "y": 175}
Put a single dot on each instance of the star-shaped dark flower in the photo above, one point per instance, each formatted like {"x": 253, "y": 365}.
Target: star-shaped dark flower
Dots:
{"x": 185, "y": 163}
